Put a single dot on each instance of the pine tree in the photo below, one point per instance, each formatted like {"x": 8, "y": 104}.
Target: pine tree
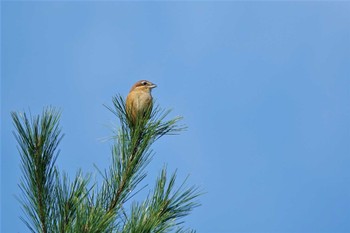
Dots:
{"x": 51, "y": 202}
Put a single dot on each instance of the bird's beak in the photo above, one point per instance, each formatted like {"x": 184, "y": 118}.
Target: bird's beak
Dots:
{"x": 153, "y": 86}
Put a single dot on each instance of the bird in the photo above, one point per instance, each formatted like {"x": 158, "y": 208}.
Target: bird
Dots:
{"x": 139, "y": 102}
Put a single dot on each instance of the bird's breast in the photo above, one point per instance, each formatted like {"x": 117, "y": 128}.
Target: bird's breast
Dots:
{"x": 140, "y": 100}
{"x": 144, "y": 100}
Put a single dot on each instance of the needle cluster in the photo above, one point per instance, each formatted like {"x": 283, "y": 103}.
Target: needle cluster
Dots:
{"x": 53, "y": 203}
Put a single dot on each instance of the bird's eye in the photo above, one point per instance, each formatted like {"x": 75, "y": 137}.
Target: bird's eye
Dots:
{"x": 144, "y": 83}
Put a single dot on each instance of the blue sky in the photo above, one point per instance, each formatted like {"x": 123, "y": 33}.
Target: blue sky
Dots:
{"x": 264, "y": 88}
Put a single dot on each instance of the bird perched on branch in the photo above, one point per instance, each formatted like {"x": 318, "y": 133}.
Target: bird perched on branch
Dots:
{"x": 139, "y": 101}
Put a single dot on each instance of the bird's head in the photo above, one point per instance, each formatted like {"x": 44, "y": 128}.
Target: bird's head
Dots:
{"x": 143, "y": 85}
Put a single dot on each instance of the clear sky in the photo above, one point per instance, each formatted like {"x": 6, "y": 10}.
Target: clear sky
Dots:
{"x": 264, "y": 88}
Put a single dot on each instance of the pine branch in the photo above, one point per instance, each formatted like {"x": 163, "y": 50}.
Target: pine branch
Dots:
{"x": 52, "y": 203}
{"x": 93, "y": 218}
{"x": 38, "y": 138}
{"x": 131, "y": 150}
{"x": 69, "y": 196}
{"x": 162, "y": 210}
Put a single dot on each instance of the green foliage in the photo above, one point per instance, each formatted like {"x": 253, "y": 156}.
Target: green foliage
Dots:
{"x": 53, "y": 203}
{"x": 38, "y": 139}
{"x": 161, "y": 210}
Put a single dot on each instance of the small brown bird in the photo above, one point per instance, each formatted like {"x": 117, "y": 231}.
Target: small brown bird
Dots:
{"x": 139, "y": 100}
